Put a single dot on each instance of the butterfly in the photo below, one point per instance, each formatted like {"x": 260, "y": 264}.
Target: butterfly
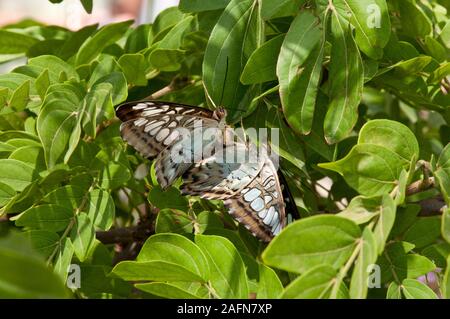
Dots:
{"x": 164, "y": 131}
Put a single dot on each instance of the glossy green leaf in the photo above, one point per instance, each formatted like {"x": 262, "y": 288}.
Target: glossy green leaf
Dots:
{"x": 442, "y": 173}
{"x": 20, "y": 96}
{"x": 261, "y": 64}
{"x": 171, "y": 290}
{"x": 319, "y": 240}
{"x": 393, "y": 135}
{"x": 231, "y": 43}
{"x": 414, "y": 289}
{"x": 299, "y": 68}
{"x": 269, "y": 285}
{"x": 367, "y": 256}
{"x": 415, "y": 22}
{"x": 424, "y": 231}
{"x": 170, "y": 198}
{"x": 23, "y": 274}
{"x": 385, "y": 222}
{"x": 346, "y": 82}
{"x": 173, "y": 221}
{"x": 369, "y": 168}
{"x": 201, "y": 5}
{"x": 47, "y": 217}
{"x": 228, "y": 277}
{"x": 100, "y": 209}
{"x": 82, "y": 236}
{"x": 6, "y": 193}
{"x": 371, "y": 21}
{"x": 273, "y": 9}
{"x": 134, "y": 66}
{"x": 105, "y": 36}
{"x": 12, "y": 42}
{"x": 315, "y": 283}
{"x": 17, "y": 175}
{"x": 446, "y": 281}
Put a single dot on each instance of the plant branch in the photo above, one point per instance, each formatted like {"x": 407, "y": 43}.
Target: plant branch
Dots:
{"x": 177, "y": 84}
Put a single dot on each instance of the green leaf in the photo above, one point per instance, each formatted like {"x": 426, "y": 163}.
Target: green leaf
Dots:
{"x": 166, "y": 257}
{"x": 171, "y": 290}
{"x": 392, "y": 135}
{"x": 269, "y": 285}
{"x": 446, "y": 281}
{"x": 113, "y": 176}
{"x": 397, "y": 263}
{"x": 228, "y": 277}
{"x": 445, "y": 227}
{"x": 42, "y": 83}
{"x": 362, "y": 209}
{"x": 17, "y": 175}
{"x": 82, "y": 236}
{"x": 394, "y": 291}
{"x": 346, "y": 75}
{"x": 20, "y": 96}
{"x": 64, "y": 258}
{"x": 442, "y": 173}
{"x": 43, "y": 241}
{"x": 57, "y": 120}
{"x": 6, "y": 194}
{"x": 100, "y": 209}
{"x": 233, "y": 39}
{"x": 385, "y": 222}
{"x": 12, "y": 42}
{"x": 370, "y": 169}
{"x": 424, "y": 231}
{"x": 414, "y": 21}
{"x": 47, "y": 217}
{"x": 367, "y": 256}
{"x": 118, "y": 83}
{"x": 154, "y": 270}
{"x": 170, "y": 198}
{"x": 176, "y": 249}
{"x": 371, "y": 21}
{"x": 313, "y": 284}
{"x": 104, "y": 37}
{"x": 299, "y": 68}
{"x": 56, "y": 67}
{"x": 173, "y": 221}
{"x": 261, "y": 64}
{"x": 281, "y": 8}
{"x": 318, "y": 240}
{"x": 87, "y": 5}
{"x": 201, "y": 5}
{"x": 414, "y": 289}
{"x": 208, "y": 220}
{"x": 69, "y": 196}
{"x": 133, "y": 66}
{"x": 25, "y": 275}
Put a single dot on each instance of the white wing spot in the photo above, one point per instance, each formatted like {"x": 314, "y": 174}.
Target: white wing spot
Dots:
{"x": 252, "y": 194}
{"x": 257, "y": 204}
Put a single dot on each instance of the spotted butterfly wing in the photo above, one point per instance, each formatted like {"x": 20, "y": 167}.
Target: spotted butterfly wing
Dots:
{"x": 154, "y": 127}
{"x": 251, "y": 191}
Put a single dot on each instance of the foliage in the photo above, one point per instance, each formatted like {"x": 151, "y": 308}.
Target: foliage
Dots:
{"x": 358, "y": 89}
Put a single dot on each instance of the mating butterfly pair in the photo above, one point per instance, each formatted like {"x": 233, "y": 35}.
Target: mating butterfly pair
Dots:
{"x": 163, "y": 132}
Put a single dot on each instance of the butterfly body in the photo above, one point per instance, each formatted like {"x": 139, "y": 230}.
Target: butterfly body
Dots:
{"x": 197, "y": 144}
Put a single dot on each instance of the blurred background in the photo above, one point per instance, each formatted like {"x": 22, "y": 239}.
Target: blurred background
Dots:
{"x": 71, "y": 14}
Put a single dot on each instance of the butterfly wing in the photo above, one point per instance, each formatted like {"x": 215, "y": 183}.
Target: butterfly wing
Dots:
{"x": 159, "y": 129}
{"x": 250, "y": 191}
{"x": 152, "y": 126}
{"x": 218, "y": 177}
